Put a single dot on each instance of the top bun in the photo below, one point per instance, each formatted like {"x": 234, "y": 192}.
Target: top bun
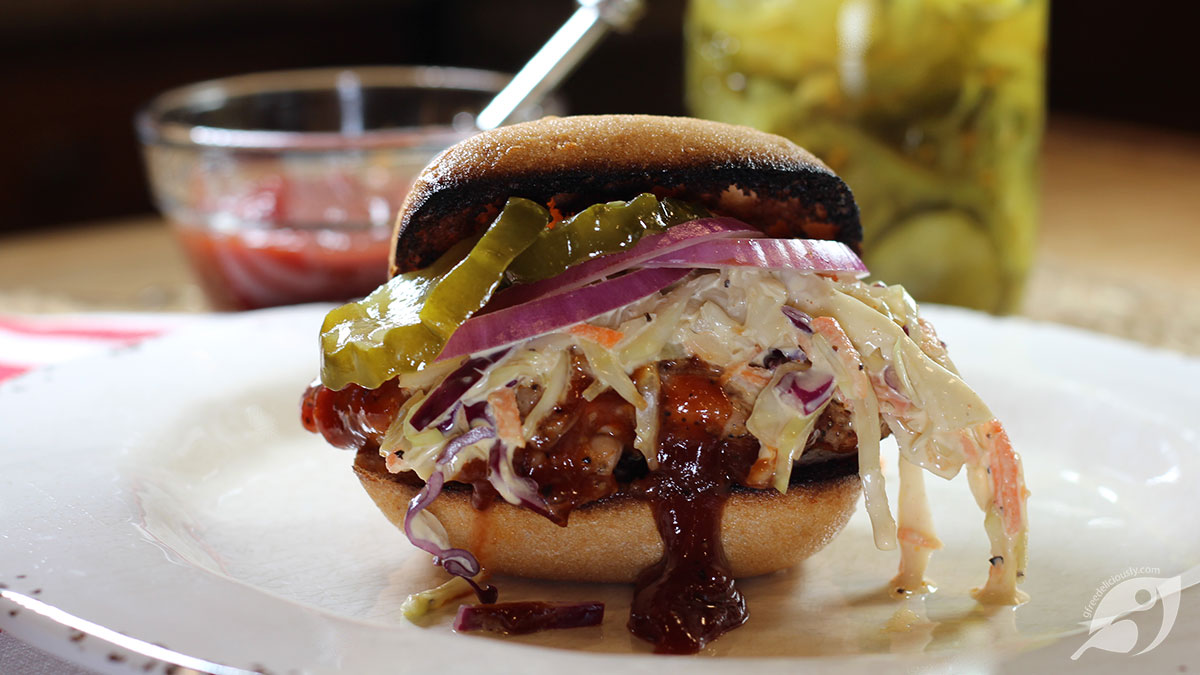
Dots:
{"x": 765, "y": 180}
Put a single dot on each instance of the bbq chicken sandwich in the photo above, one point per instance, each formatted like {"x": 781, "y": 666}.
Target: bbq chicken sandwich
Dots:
{"x": 640, "y": 349}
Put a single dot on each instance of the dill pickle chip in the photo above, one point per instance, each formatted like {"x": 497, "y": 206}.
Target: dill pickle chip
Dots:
{"x": 940, "y": 256}
{"x": 403, "y": 325}
{"x": 467, "y": 287}
{"x": 381, "y": 336}
{"x": 598, "y": 230}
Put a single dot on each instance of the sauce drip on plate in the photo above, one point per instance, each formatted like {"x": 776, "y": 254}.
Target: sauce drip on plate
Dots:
{"x": 688, "y": 598}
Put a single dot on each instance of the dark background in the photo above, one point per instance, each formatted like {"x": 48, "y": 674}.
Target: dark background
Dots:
{"x": 72, "y": 72}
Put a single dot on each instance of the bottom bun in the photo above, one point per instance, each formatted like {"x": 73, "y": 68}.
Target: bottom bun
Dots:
{"x": 614, "y": 539}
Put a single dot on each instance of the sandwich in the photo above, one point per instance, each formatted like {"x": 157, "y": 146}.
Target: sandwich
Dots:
{"x": 641, "y": 349}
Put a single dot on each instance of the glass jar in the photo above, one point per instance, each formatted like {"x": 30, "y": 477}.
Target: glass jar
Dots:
{"x": 931, "y": 110}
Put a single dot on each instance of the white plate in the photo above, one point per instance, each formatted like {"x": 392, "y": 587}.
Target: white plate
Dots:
{"x": 167, "y": 492}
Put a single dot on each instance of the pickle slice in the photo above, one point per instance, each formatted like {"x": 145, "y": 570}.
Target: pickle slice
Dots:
{"x": 942, "y": 256}
{"x": 403, "y": 325}
{"x": 598, "y": 230}
{"x": 381, "y": 336}
{"x": 467, "y": 287}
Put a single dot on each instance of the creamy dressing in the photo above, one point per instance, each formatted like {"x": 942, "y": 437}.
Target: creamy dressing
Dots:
{"x": 915, "y": 531}
{"x": 886, "y": 362}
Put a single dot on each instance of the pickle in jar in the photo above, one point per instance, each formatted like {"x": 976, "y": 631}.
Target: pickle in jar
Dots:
{"x": 931, "y": 110}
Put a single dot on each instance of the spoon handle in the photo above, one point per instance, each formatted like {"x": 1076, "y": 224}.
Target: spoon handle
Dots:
{"x": 559, "y": 56}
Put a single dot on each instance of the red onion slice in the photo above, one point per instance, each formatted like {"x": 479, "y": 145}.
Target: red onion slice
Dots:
{"x": 807, "y": 255}
{"x": 680, "y": 236}
{"x": 552, "y": 312}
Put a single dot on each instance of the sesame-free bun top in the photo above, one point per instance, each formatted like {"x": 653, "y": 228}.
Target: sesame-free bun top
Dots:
{"x": 762, "y": 179}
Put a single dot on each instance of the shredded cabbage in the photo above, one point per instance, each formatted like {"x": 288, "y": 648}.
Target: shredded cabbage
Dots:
{"x": 417, "y": 605}
{"x": 646, "y": 440}
{"x": 888, "y": 364}
{"x": 782, "y": 430}
{"x": 864, "y": 417}
{"x": 609, "y": 375}
{"x": 944, "y": 404}
{"x": 553, "y": 385}
{"x": 647, "y": 345}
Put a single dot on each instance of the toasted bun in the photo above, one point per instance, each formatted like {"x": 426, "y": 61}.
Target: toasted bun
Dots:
{"x": 614, "y": 539}
{"x": 765, "y": 180}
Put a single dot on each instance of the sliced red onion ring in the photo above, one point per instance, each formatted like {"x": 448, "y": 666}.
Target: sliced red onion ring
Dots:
{"x": 519, "y": 618}
{"x": 807, "y": 255}
{"x": 808, "y": 390}
{"x": 680, "y": 236}
{"x": 552, "y": 312}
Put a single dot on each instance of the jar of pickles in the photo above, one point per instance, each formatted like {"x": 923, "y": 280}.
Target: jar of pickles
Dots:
{"x": 931, "y": 110}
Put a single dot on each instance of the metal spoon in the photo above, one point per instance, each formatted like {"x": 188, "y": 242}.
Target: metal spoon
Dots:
{"x": 559, "y": 56}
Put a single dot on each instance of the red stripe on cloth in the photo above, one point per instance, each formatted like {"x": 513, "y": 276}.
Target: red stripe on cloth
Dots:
{"x": 9, "y": 371}
{"x": 86, "y": 332}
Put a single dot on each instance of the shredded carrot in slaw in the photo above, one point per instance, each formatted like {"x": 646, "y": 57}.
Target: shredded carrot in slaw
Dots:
{"x": 887, "y": 395}
{"x": 1007, "y": 484}
{"x": 556, "y": 216}
{"x": 969, "y": 447}
{"x": 920, "y": 539}
{"x": 828, "y": 328}
{"x": 733, "y": 371}
{"x": 756, "y": 376}
{"x": 503, "y": 402}
{"x": 605, "y": 337}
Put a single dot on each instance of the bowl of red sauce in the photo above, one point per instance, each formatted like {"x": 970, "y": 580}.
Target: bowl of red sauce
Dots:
{"x": 283, "y": 187}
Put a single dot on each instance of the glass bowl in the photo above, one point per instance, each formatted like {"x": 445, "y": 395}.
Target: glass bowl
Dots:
{"x": 283, "y": 187}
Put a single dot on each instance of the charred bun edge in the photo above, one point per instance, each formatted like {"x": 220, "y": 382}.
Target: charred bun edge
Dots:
{"x": 614, "y": 539}
{"x": 762, "y": 179}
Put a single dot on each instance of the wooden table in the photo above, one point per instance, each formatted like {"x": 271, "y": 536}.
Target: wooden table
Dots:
{"x": 1118, "y": 246}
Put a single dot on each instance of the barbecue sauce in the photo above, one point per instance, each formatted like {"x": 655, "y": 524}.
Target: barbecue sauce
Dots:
{"x": 688, "y": 598}
{"x": 574, "y": 468}
{"x": 353, "y": 418}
